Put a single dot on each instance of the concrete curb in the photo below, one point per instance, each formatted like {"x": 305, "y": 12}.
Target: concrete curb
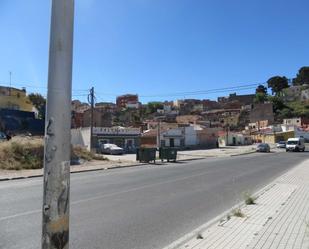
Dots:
{"x": 116, "y": 167}
{"x": 73, "y": 172}
{"x": 245, "y": 153}
{"x": 90, "y": 170}
{"x": 19, "y": 177}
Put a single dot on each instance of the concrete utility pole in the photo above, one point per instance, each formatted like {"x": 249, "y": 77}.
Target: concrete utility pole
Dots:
{"x": 91, "y": 102}
{"x": 55, "y": 227}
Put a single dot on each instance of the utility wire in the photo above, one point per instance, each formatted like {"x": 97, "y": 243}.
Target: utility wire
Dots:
{"x": 41, "y": 87}
{"x": 83, "y": 92}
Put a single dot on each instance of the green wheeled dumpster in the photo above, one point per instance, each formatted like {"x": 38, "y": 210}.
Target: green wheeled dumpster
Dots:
{"x": 146, "y": 155}
{"x": 168, "y": 153}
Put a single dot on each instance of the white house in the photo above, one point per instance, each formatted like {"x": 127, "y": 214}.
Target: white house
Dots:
{"x": 192, "y": 136}
{"x": 232, "y": 138}
{"x": 133, "y": 105}
{"x": 125, "y": 137}
{"x": 292, "y": 121}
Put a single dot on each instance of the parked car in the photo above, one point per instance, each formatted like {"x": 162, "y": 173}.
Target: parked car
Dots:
{"x": 295, "y": 144}
{"x": 112, "y": 149}
{"x": 281, "y": 144}
{"x": 263, "y": 147}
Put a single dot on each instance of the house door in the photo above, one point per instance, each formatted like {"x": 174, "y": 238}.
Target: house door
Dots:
{"x": 234, "y": 140}
{"x": 172, "y": 142}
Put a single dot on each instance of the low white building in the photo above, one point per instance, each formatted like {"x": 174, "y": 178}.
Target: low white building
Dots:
{"x": 298, "y": 131}
{"x": 234, "y": 139}
{"x": 133, "y": 105}
{"x": 125, "y": 137}
{"x": 192, "y": 136}
{"x": 286, "y": 128}
{"x": 177, "y": 103}
{"x": 292, "y": 121}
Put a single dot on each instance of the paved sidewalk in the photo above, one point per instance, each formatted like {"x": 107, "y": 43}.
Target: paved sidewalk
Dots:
{"x": 279, "y": 219}
{"x": 219, "y": 152}
{"x": 197, "y": 154}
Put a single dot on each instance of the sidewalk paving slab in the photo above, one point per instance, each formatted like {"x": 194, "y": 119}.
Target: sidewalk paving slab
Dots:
{"x": 279, "y": 219}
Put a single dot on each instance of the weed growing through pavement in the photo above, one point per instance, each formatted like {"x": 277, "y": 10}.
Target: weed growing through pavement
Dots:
{"x": 199, "y": 236}
{"x": 238, "y": 213}
{"x": 249, "y": 199}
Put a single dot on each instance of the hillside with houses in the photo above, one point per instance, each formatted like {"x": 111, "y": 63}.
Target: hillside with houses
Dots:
{"x": 275, "y": 111}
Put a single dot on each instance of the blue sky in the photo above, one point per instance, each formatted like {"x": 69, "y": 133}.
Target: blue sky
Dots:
{"x": 158, "y": 47}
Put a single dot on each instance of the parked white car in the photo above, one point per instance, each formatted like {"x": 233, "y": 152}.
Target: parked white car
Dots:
{"x": 112, "y": 149}
{"x": 295, "y": 144}
{"x": 281, "y": 144}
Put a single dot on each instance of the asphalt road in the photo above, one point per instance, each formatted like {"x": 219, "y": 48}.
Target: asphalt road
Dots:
{"x": 142, "y": 207}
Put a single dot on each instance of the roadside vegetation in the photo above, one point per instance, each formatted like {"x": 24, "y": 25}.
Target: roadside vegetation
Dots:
{"x": 249, "y": 199}
{"x": 28, "y": 153}
{"x": 199, "y": 236}
{"x": 237, "y": 212}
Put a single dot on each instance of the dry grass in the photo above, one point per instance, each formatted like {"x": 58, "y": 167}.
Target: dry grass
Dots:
{"x": 238, "y": 213}
{"x": 21, "y": 154}
{"x": 199, "y": 236}
{"x": 80, "y": 152}
{"x": 27, "y": 153}
{"x": 249, "y": 200}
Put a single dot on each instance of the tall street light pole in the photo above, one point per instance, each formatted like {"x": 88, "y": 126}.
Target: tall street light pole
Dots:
{"x": 55, "y": 224}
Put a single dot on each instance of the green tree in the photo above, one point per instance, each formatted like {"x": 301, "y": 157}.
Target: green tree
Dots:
{"x": 153, "y": 106}
{"x": 302, "y": 77}
{"x": 261, "y": 89}
{"x": 260, "y": 97}
{"x": 299, "y": 109}
{"x": 277, "y": 83}
{"x": 260, "y": 94}
{"x": 278, "y": 103}
{"x": 39, "y": 102}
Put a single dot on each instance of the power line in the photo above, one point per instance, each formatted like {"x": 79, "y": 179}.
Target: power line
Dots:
{"x": 84, "y": 92}
{"x": 40, "y": 87}
{"x": 197, "y": 93}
